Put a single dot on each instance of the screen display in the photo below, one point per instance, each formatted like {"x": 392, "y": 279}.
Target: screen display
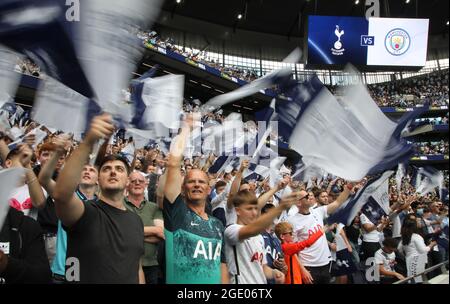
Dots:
{"x": 390, "y": 42}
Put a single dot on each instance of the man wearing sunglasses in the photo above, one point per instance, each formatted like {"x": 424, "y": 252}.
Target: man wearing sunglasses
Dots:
{"x": 316, "y": 259}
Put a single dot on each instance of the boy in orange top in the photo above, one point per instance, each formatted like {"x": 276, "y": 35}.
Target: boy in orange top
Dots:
{"x": 284, "y": 232}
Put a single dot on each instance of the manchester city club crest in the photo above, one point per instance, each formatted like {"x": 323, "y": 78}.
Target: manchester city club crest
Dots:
{"x": 397, "y": 42}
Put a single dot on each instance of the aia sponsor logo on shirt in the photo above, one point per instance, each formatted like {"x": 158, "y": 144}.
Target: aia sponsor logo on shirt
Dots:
{"x": 207, "y": 251}
{"x": 272, "y": 252}
{"x": 392, "y": 263}
{"x": 21, "y": 206}
{"x": 314, "y": 230}
{"x": 258, "y": 257}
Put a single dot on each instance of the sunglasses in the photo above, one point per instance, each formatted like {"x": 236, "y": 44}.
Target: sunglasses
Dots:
{"x": 289, "y": 232}
{"x": 306, "y": 196}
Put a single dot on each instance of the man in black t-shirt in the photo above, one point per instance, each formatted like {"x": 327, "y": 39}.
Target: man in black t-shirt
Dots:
{"x": 105, "y": 241}
{"x": 22, "y": 254}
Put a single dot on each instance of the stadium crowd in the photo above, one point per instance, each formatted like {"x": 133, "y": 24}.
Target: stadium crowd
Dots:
{"x": 141, "y": 189}
{"x": 432, "y": 148}
{"x": 430, "y": 88}
{"x": 198, "y": 56}
{"x": 26, "y": 66}
{"x": 200, "y": 225}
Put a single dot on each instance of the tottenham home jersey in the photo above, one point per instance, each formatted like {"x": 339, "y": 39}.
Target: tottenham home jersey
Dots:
{"x": 194, "y": 246}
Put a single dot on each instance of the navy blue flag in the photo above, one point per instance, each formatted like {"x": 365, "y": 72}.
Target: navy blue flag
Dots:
{"x": 347, "y": 212}
{"x": 293, "y": 101}
{"x": 443, "y": 195}
{"x": 257, "y": 172}
{"x": 220, "y": 164}
{"x": 9, "y": 107}
{"x": 137, "y": 86}
{"x": 373, "y": 210}
{"x": 398, "y": 149}
{"x": 33, "y": 28}
{"x": 265, "y": 114}
{"x": 349, "y": 138}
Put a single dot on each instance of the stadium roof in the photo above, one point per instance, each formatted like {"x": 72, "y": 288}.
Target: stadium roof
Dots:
{"x": 287, "y": 18}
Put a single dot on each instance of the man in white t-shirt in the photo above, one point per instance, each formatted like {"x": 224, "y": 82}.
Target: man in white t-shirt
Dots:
{"x": 385, "y": 261}
{"x": 315, "y": 260}
{"x": 245, "y": 250}
{"x": 371, "y": 234}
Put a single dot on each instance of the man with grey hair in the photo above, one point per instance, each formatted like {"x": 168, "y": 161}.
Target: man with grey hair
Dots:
{"x": 152, "y": 218}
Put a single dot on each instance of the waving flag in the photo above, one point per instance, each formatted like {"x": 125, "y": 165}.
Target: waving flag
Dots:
{"x": 227, "y": 138}
{"x": 349, "y": 139}
{"x": 33, "y": 28}
{"x": 9, "y": 79}
{"x": 295, "y": 97}
{"x": 225, "y": 163}
{"x": 431, "y": 179}
{"x": 108, "y": 47}
{"x": 137, "y": 87}
{"x": 4, "y": 121}
{"x": 274, "y": 77}
{"x": 347, "y": 212}
{"x": 443, "y": 195}
{"x": 220, "y": 164}
{"x": 401, "y": 172}
{"x": 378, "y": 203}
{"x": 275, "y": 176}
{"x": 246, "y": 90}
{"x": 9, "y": 180}
{"x": 57, "y": 106}
{"x": 128, "y": 152}
{"x": 416, "y": 176}
{"x": 158, "y": 101}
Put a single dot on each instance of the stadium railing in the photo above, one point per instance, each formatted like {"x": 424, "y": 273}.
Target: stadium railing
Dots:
{"x": 423, "y": 274}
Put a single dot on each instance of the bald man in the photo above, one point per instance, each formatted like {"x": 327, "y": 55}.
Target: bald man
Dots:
{"x": 195, "y": 252}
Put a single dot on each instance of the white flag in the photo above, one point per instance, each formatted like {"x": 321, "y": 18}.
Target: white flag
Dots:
{"x": 9, "y": 180}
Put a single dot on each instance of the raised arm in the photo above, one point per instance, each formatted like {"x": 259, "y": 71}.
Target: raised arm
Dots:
{"x": 46, "y": 173}
{"x": 4, "y": 150}
{"x": 69, "y": 208}
{"x": 266, "y": 219}
{"x": 160, "y": 190}
{"x": 330, "y": 185}
{"x": 264, "y": 198}
{"x": 34, "y": 188}
{"x": 208, "y": 162}
{"x": 331, "y": 208}
{"x": 174, "y": 178}
{"x": 294, "y": 248}
{"x": 236, "y": 183}
{"x": 134, "y": 161}
{"x": 218, "y": 199}
{"x": 101, "y": 153}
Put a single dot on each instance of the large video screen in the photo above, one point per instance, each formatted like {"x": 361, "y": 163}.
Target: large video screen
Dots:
{"x": 377, "y": 42}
